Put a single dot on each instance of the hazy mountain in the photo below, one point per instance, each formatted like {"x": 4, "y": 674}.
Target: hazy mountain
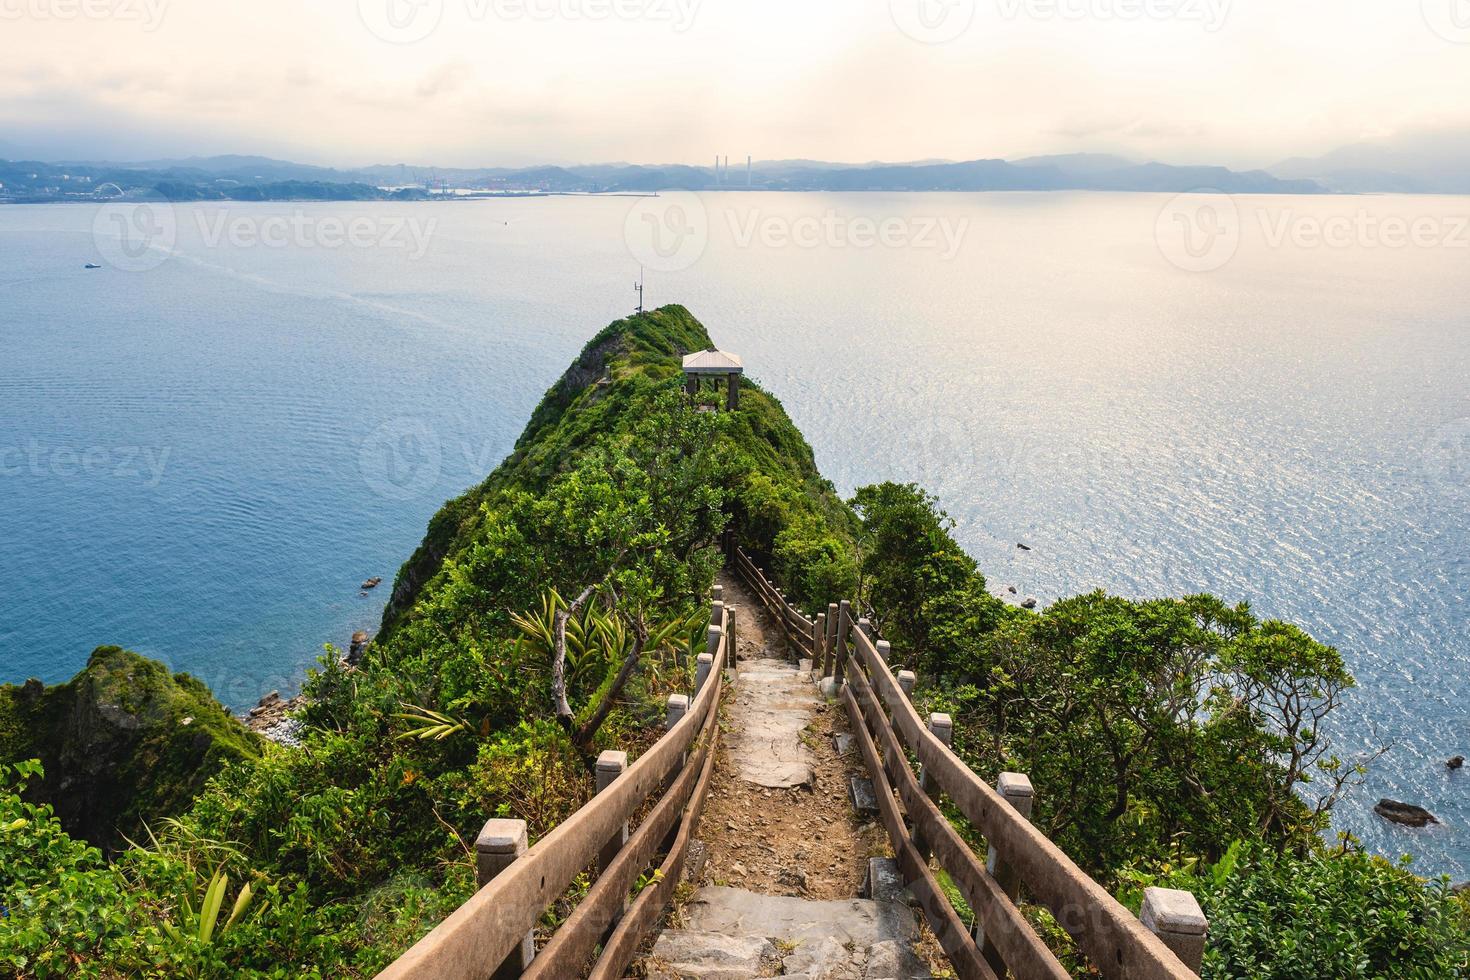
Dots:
{"x": 1425, "y": 162}
{"x": 1078, "y": 164}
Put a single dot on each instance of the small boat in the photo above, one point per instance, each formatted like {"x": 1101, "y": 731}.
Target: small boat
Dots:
{"x": 91, "y": 265}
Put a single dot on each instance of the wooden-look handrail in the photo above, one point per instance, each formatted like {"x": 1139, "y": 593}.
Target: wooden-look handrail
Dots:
{"x": 478, "y": 936}
{"x": 1116, "y": 942}
{"x": 1019, "y": 946}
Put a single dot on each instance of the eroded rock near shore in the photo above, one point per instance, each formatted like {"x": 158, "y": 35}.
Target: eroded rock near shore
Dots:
{"x": 123, "y": 742}
{"x": 1404, "y": 813}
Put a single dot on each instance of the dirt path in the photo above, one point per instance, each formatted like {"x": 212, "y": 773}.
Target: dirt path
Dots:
{"x": 778, "y": 820}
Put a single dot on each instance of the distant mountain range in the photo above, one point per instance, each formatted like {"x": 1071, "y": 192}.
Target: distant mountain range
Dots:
{"x": 256, "y": 178}
{"x": 1423, "y": 161}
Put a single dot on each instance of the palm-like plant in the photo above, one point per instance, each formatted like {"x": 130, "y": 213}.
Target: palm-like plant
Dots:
{"x": 203, "y": 926}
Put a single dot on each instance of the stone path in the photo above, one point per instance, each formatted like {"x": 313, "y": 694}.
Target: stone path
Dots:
{"x": 786, "y": 855}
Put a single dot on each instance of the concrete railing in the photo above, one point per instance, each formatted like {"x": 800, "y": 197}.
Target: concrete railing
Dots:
{"x": 492, "y": 934}
{"x": 1167, "y": 941}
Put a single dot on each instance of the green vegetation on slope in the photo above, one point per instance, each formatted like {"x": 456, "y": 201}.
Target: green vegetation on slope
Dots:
{"x": 123, "y": 742}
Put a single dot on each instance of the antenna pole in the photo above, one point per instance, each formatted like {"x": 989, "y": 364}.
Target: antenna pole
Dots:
{"x": 639, "y": 286}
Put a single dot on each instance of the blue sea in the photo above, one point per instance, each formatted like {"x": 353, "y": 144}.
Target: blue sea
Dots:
{"x": 208, "y": 443}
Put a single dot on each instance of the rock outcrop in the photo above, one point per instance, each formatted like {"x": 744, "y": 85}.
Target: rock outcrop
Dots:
{"x": 123, "y": 742}
{"x": 1404, "y": 813}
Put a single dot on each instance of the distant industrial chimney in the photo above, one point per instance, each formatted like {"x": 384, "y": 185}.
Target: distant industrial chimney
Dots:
{"x": 749, "y": 174}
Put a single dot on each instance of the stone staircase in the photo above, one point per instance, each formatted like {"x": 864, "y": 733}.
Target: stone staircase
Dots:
{"x": 727, "y": 933}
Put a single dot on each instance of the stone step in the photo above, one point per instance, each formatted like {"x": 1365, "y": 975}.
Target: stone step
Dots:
{"x": 732, "y": 933}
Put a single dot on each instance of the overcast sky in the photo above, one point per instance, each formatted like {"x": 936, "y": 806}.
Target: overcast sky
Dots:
{"x": 350, "y": 82}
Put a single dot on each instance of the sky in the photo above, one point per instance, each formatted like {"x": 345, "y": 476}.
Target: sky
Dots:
{"x": 1243, "y": 83}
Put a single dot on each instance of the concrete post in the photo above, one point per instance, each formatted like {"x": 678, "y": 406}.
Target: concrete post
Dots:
{"x": 844, "y": 623}
{"x": 611, "y": 765}
{"x": 942, "y": 726}
{"x": 866, "y": 627}
{"x": 678, "y": 707}
{"x": 885, "y": 651}
{"x": 906, "y": 681}
{"x": 732, "y": 396}
{"x": 1015, "y": 788}
{"x": 702, "y": 670}
{"x": 717, "y": 593}
{"x": 716, "y": 612}
{"x": 691, "y": 384}
{"x": 712, "y": 640}
{"x": 500, "y": 843}
{"x": 1176, "y": 918}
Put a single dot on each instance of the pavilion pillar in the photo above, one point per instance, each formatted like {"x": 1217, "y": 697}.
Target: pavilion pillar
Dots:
{"x": 732, "y": 396}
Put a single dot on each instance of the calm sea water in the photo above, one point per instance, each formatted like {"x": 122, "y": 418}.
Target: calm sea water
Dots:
{"x": 206, "y": 445}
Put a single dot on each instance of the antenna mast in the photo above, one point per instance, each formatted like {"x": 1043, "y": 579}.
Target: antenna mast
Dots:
{"x": 639, "y": 286}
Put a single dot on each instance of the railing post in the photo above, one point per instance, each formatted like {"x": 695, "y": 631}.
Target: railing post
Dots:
{"x": 500, "y": 843}
{"x": 885, "y": 651}
{"x": 716, "y": 612}
{"x": 827, "y": 655}
{"x": 717, "y": 593}
{"x": 705, "y": 664}
{"x": 844, "y": 623}
{"x": 906, "y": 681}
{"x": 1176, "y": 918}
{"x": 866, "y": 627}
{"x": 1015, "y": 788}
{"x": 942, "y": 727}
{"x": 730, "y": 641}
{"x": 611, "y": 765}
{"x": 819, "y": 644}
